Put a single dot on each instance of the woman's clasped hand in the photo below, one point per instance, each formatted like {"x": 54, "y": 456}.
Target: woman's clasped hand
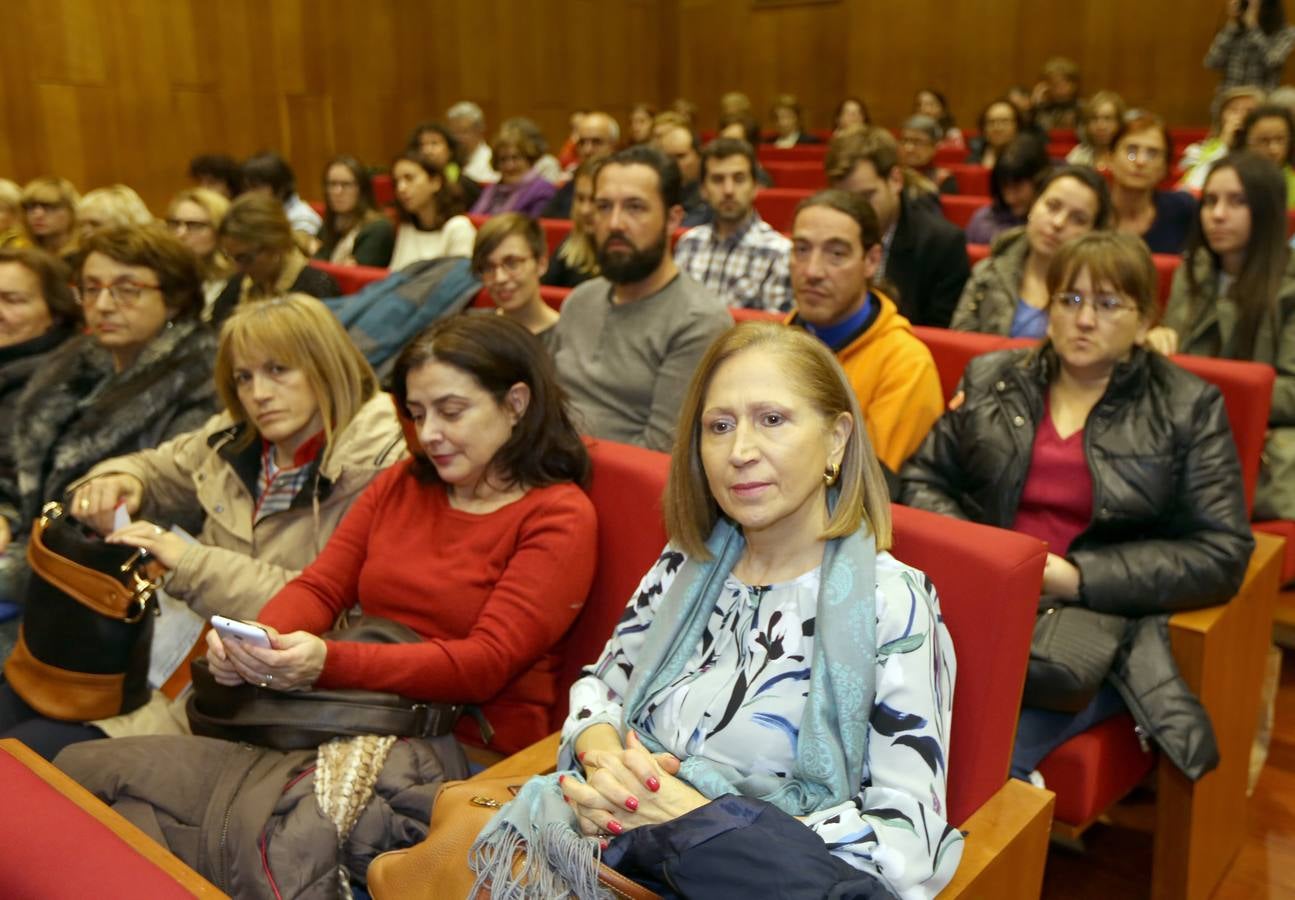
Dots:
{"x": 624, "y": 789}
{"x": 292, "y": 662}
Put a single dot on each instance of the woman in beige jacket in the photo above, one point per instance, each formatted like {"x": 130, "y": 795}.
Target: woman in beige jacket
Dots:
{"x": 304, "y": 433}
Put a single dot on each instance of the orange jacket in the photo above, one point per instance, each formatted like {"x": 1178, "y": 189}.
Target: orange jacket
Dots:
{"x": 894, "y": 377}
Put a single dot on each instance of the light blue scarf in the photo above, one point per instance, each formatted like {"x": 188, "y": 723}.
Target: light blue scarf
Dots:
{"x": 830, "y": 754}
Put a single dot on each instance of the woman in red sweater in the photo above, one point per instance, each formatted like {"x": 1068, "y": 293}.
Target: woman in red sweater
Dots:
{"x": 483, "y": 544}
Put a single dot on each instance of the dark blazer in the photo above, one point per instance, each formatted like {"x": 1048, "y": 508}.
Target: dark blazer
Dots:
{"x": 927, "y": 264}
{"x": 311, "y": 281}
{"x": 559, "y": 207}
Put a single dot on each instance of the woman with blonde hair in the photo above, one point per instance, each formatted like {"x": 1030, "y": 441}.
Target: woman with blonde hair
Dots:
{"x": 576, "y": 261}
{"x": 258, "y": 239}
{"x": 194, "y": 216}
{"x": 114, "y": 206}
{"x": 49, "y": 215}
{"x": 305, "y": 430}
{"x": 748, "y": 665}
{"x": 11, "y": 232}
{"x": 1101, "y": 118}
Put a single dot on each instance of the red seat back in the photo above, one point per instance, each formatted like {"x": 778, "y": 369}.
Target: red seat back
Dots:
{"x": 741, "y": 314}
{"x": 804, "y": 174}
{"x": 1166, "y": 266}
{"x": 384, "y": 191}
{"x": 767, "y": 153}
{"x": 959, "y": 209}
{"x": 555, "y": 232}
{"x": 777, "y": 206}
{"x": 977, "y": 252}
{"x": 972, "y": 178}
{"x": 984, "y": 577}
{"x": 1247, "y": 389}
{"x": 626, "y": 490}
{"x": 351, "y": 278}
{"x": 952, "y": 350}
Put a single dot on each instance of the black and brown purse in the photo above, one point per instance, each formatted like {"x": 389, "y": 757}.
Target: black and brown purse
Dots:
{"x": 83, "y": 647}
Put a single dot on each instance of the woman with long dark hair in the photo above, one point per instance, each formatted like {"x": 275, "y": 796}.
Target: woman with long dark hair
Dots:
{"x": 1234, "y": 297}
{"x": 355, "y": 232}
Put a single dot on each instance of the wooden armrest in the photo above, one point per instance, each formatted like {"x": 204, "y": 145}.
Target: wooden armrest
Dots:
{"x": 1006, "y": 845}
{"x": 539, "y": 758}
{"x": 1268, "y": 553}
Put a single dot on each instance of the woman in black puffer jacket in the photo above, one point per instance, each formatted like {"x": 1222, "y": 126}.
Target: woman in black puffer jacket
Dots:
{"x": 1123, "y": 463}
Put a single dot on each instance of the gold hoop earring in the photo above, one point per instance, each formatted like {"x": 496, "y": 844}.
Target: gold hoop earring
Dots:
{"x": 832, "y": 474}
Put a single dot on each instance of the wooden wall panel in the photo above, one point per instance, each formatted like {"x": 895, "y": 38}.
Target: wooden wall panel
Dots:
{"x": 102, "y": 91}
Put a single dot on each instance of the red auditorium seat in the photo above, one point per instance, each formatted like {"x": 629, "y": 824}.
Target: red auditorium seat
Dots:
{"x": 1219, "y": 650}
{"x": 777, "y": 206}
{"x": 767, "y": 153}
{"x": 972, "y": 178}
{"x": 59, "y": 842}
{"x": 384, "y": 191}
{"x": 800, "y": 174}
{"x": 351, "y": 278}
{"x": 1290, "y": 222}
{"x": 979, "y": 572}
{"x": 555, "y": 232}
{"x": 959, "y": 209}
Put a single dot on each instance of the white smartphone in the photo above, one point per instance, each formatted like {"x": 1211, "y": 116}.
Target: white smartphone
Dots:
{"x": 244, "y": 631}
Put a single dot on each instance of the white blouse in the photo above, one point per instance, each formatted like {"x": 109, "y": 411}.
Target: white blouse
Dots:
{"x": 740, "y": 700}
{"x": 455, "y": 238}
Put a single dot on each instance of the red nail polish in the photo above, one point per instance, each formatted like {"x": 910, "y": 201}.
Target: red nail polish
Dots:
{"x": 615, "y": 827}
{"x": 603, "y": 844}
{"x": 631, "y": 803}
{"x": 561, "y": 778}
{"x": 581, "y": 755}
{"x": 653, "y": 784}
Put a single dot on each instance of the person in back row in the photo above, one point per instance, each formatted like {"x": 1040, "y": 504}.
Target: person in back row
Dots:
{"x": 628, "y": 341}
{"x": 304, "y": 433}
{"x": 269, "y": 173}
{"x": 258, "y": 239}
{"x": 1013, "y": 185}
{"x": 737, "y": 255}
{"x": 597, "y": 135}
{"x": 836, "y": 251}
{"x": 923, "y": 255}
{"x": 1007, "y": 292}
{"x": 431, "y": 209}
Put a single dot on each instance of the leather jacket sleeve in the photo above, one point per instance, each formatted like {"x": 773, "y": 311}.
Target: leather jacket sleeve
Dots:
{"x": 1204, "y": 562}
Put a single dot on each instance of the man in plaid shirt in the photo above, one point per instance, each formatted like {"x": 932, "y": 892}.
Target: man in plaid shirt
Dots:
{"x": 737, "y": 255}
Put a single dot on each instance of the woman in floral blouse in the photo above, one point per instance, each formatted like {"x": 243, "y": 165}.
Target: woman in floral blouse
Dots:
{"x": 775, "y": 652}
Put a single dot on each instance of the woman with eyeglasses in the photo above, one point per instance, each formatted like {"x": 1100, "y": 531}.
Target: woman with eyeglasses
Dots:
{"x": 140, "y": 374}
{"x": 1234, "y": 298}
{"x": 38, "y": 314}
{"x": 49, "y": 214}
{"x": 355, "y": 232}
{"x": 1123, "y": 463}
{"x": 194, "y": 216}
{"x": 258, "y": 239}
{"x": 509, "y": 257}
{"x": 1141, "y": 159}
{"x": 520, "y": 188}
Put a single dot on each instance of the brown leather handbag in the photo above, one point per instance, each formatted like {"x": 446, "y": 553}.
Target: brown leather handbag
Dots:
{"x": 82, "y": 651}
{"x": 438, "y": 867}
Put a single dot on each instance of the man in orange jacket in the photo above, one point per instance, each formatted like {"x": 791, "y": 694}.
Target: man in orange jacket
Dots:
{"x": 836, "y": 251}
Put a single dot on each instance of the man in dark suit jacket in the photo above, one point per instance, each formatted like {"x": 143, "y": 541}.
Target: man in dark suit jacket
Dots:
{"x": 925, "y": 255}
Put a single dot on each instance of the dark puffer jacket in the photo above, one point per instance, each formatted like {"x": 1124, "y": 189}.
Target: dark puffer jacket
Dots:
{"x": 1169, "y": 529}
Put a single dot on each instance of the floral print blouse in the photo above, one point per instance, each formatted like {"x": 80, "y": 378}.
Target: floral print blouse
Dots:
{"x": 740, "y": 699}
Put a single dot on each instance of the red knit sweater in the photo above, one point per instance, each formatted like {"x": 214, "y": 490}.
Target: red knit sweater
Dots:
{"x": 490, "y": 593}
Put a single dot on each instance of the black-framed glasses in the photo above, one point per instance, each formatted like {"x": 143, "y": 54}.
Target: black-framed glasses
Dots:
{"x": 512, "y": 265}
{"x": 1104, "y": 305}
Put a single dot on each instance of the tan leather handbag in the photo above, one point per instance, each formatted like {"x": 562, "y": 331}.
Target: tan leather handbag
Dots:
{"x": 438, "y": 867}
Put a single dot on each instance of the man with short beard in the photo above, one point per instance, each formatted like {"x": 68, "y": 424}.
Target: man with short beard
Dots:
{"x": 737, "y": 254}
{"x": 628, "y": 342}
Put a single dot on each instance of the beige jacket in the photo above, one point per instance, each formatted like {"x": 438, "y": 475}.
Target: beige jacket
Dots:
{"x": 235, "y": 568}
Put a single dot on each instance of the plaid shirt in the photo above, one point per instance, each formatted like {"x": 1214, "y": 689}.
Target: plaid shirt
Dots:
{"x": 750, "y": 269}
{"x": 1247, "y": 56}
{"x": 276, "y": 488}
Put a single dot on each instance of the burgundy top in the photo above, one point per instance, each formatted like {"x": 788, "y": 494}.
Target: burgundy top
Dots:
{"x": 1057, "y": 502}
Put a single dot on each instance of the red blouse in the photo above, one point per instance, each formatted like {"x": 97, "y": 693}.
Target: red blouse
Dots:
{"x": 1057, "y": 502}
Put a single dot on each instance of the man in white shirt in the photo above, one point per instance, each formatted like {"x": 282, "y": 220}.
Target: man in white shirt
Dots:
{"x": 468, "y": 125}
